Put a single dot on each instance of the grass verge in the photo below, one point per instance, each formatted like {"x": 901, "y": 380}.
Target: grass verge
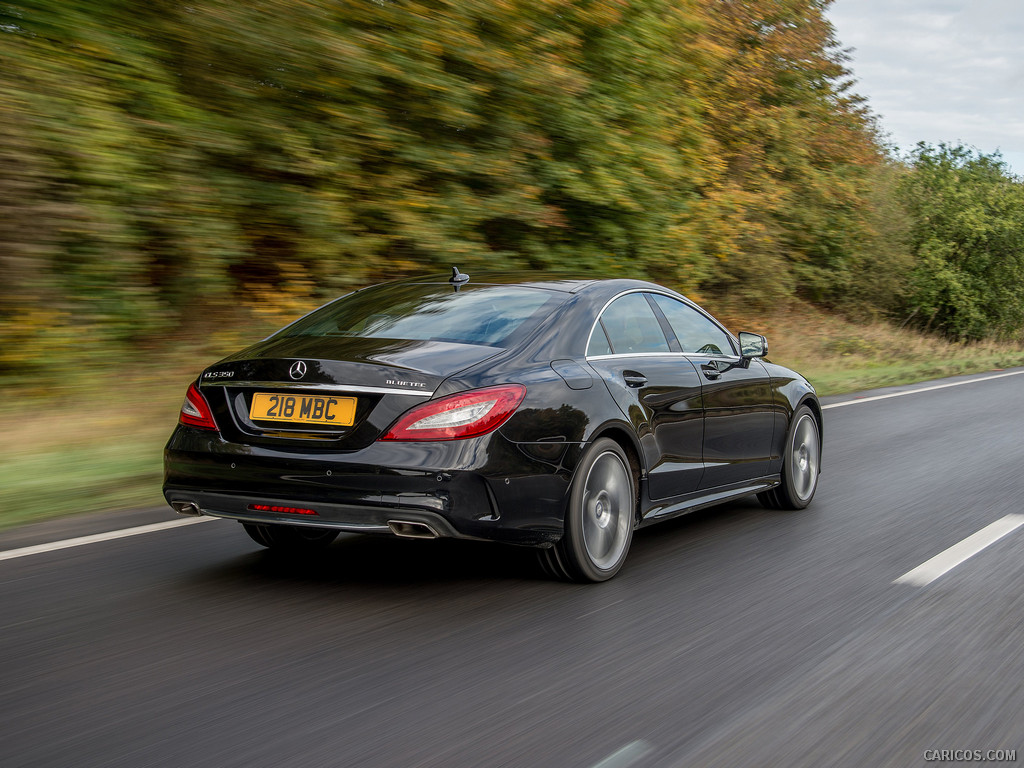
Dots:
{"x": 97, "y": 445}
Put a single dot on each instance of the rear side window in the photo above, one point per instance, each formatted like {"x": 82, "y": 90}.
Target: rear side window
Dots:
{"x": 630, "y": 327}
{"x": 491, "y": 315}
{"x": 599, "y": 344}
{"x": 695, "y": 332}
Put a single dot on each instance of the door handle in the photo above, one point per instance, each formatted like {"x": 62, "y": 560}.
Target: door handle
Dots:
{"x": 634, "y": 379}
{"x": 710, "y": 371}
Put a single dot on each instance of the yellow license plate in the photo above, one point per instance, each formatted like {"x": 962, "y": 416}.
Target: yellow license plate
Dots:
{"x": 304, "y": 409}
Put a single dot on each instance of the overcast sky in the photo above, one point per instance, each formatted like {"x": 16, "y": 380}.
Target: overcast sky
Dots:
{"x": 940, "y": 70}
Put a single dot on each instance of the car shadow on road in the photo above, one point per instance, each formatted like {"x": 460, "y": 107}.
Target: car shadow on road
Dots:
{"x": 372, "y": 560}
{"x": 386, "y": 562}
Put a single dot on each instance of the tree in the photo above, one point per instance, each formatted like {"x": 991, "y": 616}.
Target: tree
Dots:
{"x": 792, "y": 150}
{"x": 968, "y": 242}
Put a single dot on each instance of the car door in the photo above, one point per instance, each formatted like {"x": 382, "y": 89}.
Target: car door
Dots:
{"x": 737, "y": 397}
{"x": 656, "y": 387}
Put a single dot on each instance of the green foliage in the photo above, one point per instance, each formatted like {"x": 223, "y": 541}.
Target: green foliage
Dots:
{"x": 164, "y": 160}
{"x": 164, "y": 166}
{"x": 877, "y": 279}
{"x": 791, "y": 151}
{"x": 968, "y": 242}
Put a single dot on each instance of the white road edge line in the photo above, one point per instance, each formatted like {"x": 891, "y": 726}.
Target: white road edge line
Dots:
{"x": 922, "y": 389}
{"x": 626, "y": 756}
{"x": 53, "y": 546}
{"x": 949, "y": 559}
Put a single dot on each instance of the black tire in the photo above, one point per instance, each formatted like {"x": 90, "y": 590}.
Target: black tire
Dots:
{"x": 599, "y": 520}
{"x": 290, "y": 538}
{"x": 801, "y": 464}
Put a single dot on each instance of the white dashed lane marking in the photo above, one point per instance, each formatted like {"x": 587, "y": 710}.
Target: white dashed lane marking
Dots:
{"x": 627, "y": 756}
{"x": 950, "y": 558}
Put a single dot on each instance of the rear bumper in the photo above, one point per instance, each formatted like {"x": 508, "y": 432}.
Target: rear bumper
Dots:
{"x": 484, "y": 488}
{"x": 339, "y": 517}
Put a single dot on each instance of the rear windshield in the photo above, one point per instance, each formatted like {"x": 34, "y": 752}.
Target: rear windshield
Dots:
{"x": 485, "y": 314}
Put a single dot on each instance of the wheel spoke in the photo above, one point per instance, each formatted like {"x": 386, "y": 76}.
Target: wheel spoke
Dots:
{"x": 597, "y": 542}
{"x": 615, "y": 485}
{"x": 607, "y": 510}
{"x": 602, "y": 475}
{"x": 804, "y": 456}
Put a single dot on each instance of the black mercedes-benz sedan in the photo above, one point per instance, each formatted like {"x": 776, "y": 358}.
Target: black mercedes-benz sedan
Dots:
{"x": 553, "y": 413}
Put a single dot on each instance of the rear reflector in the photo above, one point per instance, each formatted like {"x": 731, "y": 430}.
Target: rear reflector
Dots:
{"x": 281, "y": 510}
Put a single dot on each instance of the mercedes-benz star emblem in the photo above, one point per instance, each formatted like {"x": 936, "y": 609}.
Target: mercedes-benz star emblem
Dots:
{"x": 298, "y": 370}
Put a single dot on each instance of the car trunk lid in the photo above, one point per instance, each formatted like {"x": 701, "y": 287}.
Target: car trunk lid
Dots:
{"x": 343, "y": 391}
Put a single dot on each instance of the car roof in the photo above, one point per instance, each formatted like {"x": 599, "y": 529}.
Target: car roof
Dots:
{"x": 564, "y": 282}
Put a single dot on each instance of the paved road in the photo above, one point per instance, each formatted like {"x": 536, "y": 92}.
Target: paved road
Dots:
{"x": 734, "y": 637}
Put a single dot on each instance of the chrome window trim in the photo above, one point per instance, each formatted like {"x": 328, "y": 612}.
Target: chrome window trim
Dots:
{"x": 695, "y": 355}
{"x": 704, "y": 356}
{"x": 606, "y": 305}
{"x": 635, "y": 354}
{"x": 732, "y": 339}
{"x": 323, "y": 387}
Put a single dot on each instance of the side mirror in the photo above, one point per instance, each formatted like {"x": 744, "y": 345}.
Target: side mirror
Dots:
{"x": 752, "y": 345}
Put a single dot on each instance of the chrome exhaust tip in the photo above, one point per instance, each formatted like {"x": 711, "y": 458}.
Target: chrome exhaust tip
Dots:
{"x": 189, "y": 508}
{"x": 411, "y": 530}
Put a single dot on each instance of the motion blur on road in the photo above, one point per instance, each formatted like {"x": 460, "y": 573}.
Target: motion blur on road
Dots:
{"x": 733, "y": 637}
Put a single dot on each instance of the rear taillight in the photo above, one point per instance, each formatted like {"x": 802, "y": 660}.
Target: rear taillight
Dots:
{"x": 457, "y": 417}
{"x": 195, "y": 411}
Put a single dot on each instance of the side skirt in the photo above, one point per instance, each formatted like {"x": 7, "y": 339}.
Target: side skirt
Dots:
{"x": 656, "y": 511}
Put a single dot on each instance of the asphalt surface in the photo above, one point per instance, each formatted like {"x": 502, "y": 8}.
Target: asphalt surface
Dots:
{"x": 733, "y": 637}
